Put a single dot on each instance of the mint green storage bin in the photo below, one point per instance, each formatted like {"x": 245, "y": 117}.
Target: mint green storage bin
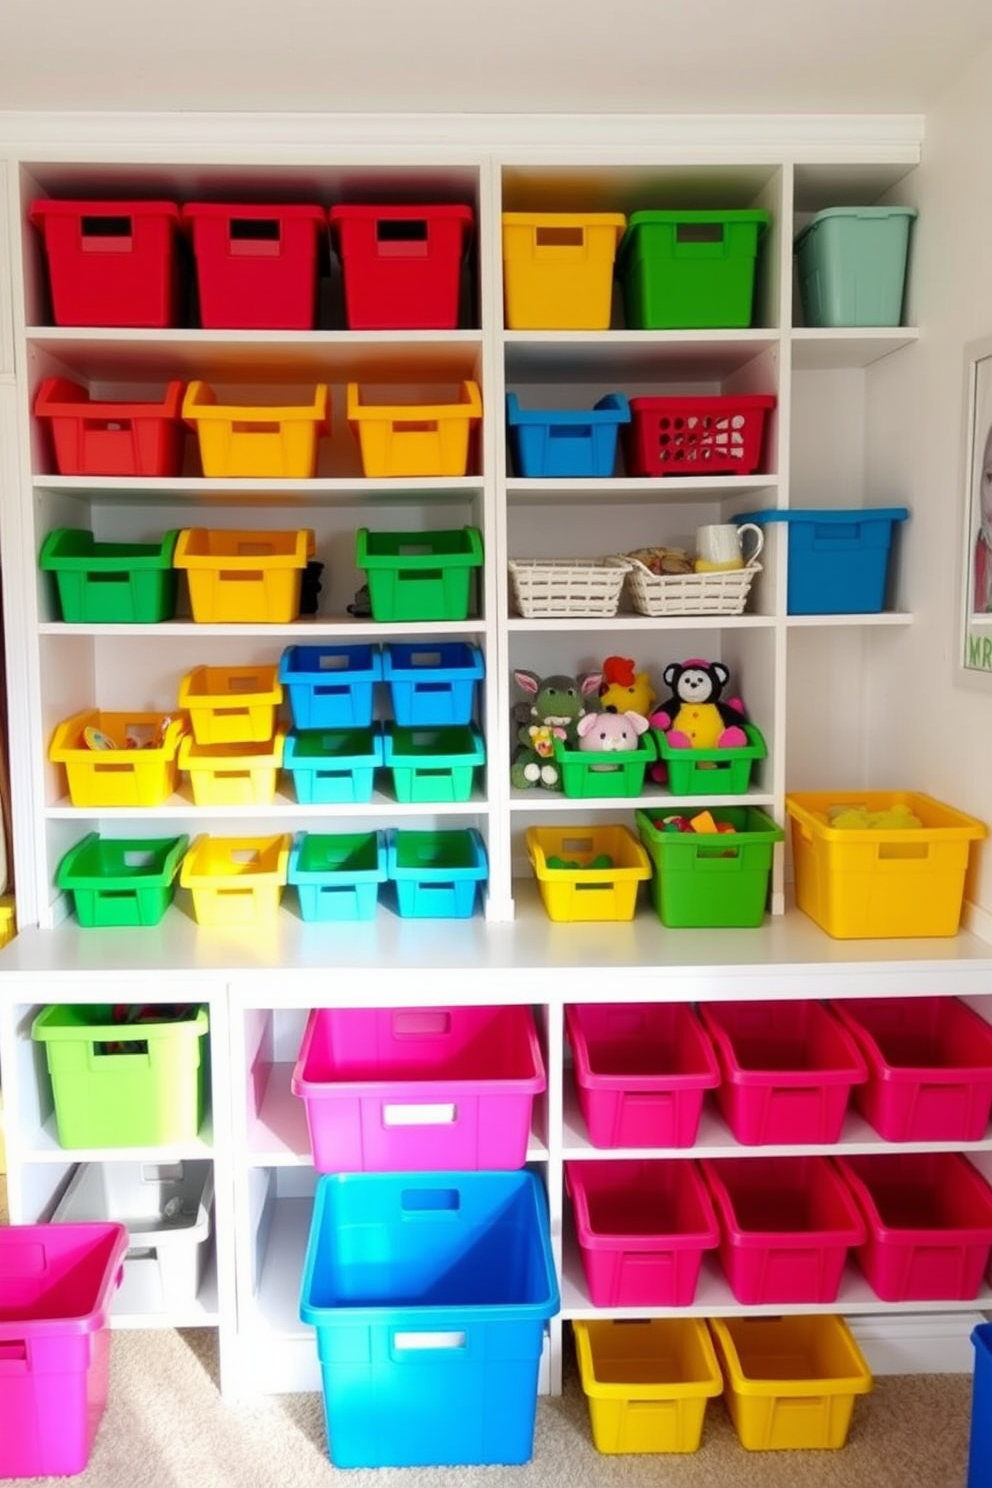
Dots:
{"x": 852, "y": 266}
{"x": 433, "y": 764}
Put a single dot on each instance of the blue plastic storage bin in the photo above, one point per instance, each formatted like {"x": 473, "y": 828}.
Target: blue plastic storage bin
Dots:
{"x": 838, "y": 560}
{"x": 980, "y": 1445}
{"x": 337, "y": 875}
{"x": 329, "y": 766}
{"x": 429, "y": 1293}
{"x": 432, "y": 686}
{"x": 436, "y": 874}
{"x": 852, "y": 265}
{"x": 330, "y": 687}
{"x": 549, "y": 443}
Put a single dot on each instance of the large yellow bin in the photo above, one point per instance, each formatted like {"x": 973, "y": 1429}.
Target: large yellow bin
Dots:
{"x": 265, "y": 441}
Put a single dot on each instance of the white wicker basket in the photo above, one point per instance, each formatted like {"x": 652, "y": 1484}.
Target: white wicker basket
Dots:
{"x": 688, "y": 594}
{"x": 562, "y": 587}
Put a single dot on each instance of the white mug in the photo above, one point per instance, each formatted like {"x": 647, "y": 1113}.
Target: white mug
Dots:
{"x": 723, "y": 547}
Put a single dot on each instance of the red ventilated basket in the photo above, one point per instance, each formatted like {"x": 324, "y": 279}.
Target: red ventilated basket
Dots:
{"x": 697, "y": 436}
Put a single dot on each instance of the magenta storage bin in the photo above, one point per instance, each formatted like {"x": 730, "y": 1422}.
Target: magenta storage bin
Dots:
{"x": 56, "y": 1285}
{"x": 642, "y": 1070}
{"x": 928, "y": 1217}
{"x": 929, "y": 1063}
{"x": 786, "y": 1223}
{"x": 642, "y": 1228}
{"x": 419, "y": 1089}
{"x": 786, "y": 1070}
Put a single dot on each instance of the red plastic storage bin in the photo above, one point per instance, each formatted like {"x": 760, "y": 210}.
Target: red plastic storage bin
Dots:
{"x": 90, "y": 438}
{"x": 786, "y": 1070}
{"x": 696, "y": 436}
{"x": 256, "y": 266}
{"x": 402, "y": 264}
{"x": 642, "y": 1070}
{"x": 929, "y": 1063}
{"x": 928, "y": 1218}
{"x": 391, "y": 1090}
{"x": 787, "y": 1224}
{"x": 111, "y": 263}
{"x": 642, "y": 1228}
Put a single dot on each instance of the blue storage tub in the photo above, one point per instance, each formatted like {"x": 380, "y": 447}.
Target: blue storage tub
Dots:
{"x": 980, "y": 1446}
{"x": 436, "y": 874}
{"x": 432, "y": 686}
{"x": 329, "y": 766}
{"x": 571, "y": 444}
{"x": 852, "y": 265}
{"x": 838, "y": 560}
{"x": 330, "y": 687}
{"x": 430, "y": 1293}
{"x": 337, "y": 876}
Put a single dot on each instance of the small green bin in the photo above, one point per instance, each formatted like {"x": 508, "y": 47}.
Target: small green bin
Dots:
{"x": 433, "y": 764}
{"x": 591, "y": 773}
{"x": 852, "y": 266}
{"x": 689, "y": 270}
{"x": 706, "y": 880}
{"x": 419, "y": 575}
{"x": 121, "y": 880}
{"x": 711, "y": 772}
{"x": 104, "y": 583}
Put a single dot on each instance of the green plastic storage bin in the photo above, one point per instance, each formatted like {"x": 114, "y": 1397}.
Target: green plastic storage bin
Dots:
{"x": 711, "y": 772}
{"x": 121, "y": 880}
{"x": 689, "y": 270}
{"x": 103, "y": 583}
{"x": 120, "y": 1084}
{"x": 706, "y": 880}
{"x": 419, "y": 575}
{"x": 852, "y": 266}
{"x": 588, "y": 773}
{"x": 433, "y": 764}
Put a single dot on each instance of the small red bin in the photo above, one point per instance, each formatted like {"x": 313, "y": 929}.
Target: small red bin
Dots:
{"x": 111, "y": 263}
{"x": 91, "y": 438}
{"x": 688, "y": 436}
{"x": 402, "y": 265}
{"x": 256, "y": 266}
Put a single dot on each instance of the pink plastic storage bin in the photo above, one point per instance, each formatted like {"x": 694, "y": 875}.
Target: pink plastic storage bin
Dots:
{"x": 786, "y": 1225}
{"x": 642, "y": 1228}
{"x": 641, "y": 1070}
{"x": 928, "y": 1217}
{"x": 786, "y": 1070}
{"x": 419, "y": 1089}
{"x": 929, "y": 1062}
{"x": 56, "y": 1285}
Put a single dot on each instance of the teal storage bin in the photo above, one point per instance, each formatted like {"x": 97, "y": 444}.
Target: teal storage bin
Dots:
{"x": 331, "y": 766}
{"x": 337, "y": 875}
{"x": 433, "y": 764}
{"x": 852, "y": 266}
{"x": 436, "y": 874}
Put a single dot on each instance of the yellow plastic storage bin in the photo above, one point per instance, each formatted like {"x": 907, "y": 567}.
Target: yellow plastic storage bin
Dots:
{"x": 587, "y": 873}
{"x": 410, "y": 439}
{"x": 233, "y": 775}
{"x": 141, "y": 775}
{"x": 880, "y": 881}
{"x": 236, "y": 880}
{"x": 256, "y": 441}
{"x": 231, "y": 705}
{"x": 790, "y": 1382}
{"x": 647, "y": 1382}
{"x": 244, "y": 577}
{"x": 558, "y": 269}
{"x": 8, "y": 924}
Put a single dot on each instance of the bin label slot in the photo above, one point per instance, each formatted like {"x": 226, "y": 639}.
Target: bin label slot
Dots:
{"x": 443, "y": 1113}
{"x": 452, "y": 1340}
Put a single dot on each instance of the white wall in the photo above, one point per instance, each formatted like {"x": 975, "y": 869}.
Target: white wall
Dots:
{"x": 930, "y": 729}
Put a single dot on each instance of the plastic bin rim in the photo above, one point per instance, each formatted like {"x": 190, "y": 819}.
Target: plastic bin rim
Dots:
{"x": 709, "y": 1384}
{"x": 171, "y": 850}
{"x": 771, "y": 832}
{"x": 401, "y": 212}
{"x": 565, "y": 219}
{"x": 611, "y": 408}
{"x": 799, "y": 808}
{"x": 852, "y": 1231}
{"x": 867, "y": 213}
{"x": 55, "y": 399}
{"x": 855, "y": 1384}
{"x": 45, "y": 1028}
{"x": 145, "y": 555}
{"x": 825, "y": 515}
{"x": 716, "y": 402}
{"x": 256, "y": 211}
{"x": 83, "y": 1322}
{"x": 68, "y": 207}
{"x": 469, "y": 555}
{"x": 865, "y": 1036}
{"x": 646, "y": 750}
{"x": 194, "y": 410}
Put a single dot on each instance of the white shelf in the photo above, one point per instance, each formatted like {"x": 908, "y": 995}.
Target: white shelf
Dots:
{"x": 42, "y": 1146}
{"x": 305, "y": 631}
{"x": 827, "y": 350}
{"x": 320, "y": 491}
{"x": 543, "y": 800}
{"x": 634, "y": 356}
{"x": 884, "y": 618}
{"x": 633, "y": 623}
{"x": 283, "y": 807}
{"x": 524, "y": 491}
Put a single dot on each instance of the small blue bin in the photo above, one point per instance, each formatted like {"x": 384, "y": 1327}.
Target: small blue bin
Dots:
{"x": 852, "y": 265}
{"x": 330, "y": 687}
{"x": 838, "y": 560}
{"x": 568, "y": 444}
{"x": 436, "y": 874}
{"x": 432, "y": 686}
{"x": 337, "y": 876}
{"x": 329, "y": 766}
{"x": 430, "y": 1293}
{"x": 980, "y": 1448}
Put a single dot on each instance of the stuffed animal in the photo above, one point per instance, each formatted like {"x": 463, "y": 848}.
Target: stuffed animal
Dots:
{"x": 624, "y": 690}
{"x": 556, "y": 706}
{"x": 694, "y": 717}
{"x": 606, "y": 733}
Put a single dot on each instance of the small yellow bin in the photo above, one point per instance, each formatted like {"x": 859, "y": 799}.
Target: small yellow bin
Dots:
{"x": 415, "y": 438}
{"x": 583, "y": 892}
{"x": 256, "y": 441}
{"x": 879, "y": 882}
{"x": 231, "y": 705}
{"x": 142, "y": 776}
{"x": 558, "y": 269}
{"x": 243, "y": 577}
{"x": 790, "y": 1382}
{"x": 8, "y": 924}
{"x": 647, "y": 1382}
{"x": 233, "y": 775}
{"x": 236, "y": 880}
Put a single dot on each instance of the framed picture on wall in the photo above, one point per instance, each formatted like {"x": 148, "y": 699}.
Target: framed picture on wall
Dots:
{"x": 976, "y": 568}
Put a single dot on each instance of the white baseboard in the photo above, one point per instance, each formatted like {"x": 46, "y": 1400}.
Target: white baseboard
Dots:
{"x": 917, "y": 1343}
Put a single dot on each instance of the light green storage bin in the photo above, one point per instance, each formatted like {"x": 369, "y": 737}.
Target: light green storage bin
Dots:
{"x": 690, "y": 270}
{"x": 852, "y": 266}
{"x": 433, "y": 764}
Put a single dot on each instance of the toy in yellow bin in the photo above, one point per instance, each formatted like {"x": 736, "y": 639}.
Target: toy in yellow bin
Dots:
{"x": 860, "y": 819}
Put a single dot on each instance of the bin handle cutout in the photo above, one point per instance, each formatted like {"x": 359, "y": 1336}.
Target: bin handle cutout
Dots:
{"x": 699, "y": 232}
{"x": 452, "y": 1340}
{"x": 430, "y": 1200}
{"x": 118, "y": 229}
{"x": 14, "y": 1356}
{"x": 559, "y": 237}
{"x": 441, "y": 1114}
{"x": 895, "y": 850}
{"x": 421, "y": 1023}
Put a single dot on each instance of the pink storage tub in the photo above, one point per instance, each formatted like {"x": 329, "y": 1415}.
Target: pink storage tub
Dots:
{"x": 786, "y": 1070}
{"x": 419, "y": 1089}
{"x": 929, "y": 1224}
{"x": 56, "y": 1285}
{"x": 642, "y": 1229}
{"x": 642, "y": 1070}
{"x": 929, "y": 1062}
{"x": 786, "y": 1224}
